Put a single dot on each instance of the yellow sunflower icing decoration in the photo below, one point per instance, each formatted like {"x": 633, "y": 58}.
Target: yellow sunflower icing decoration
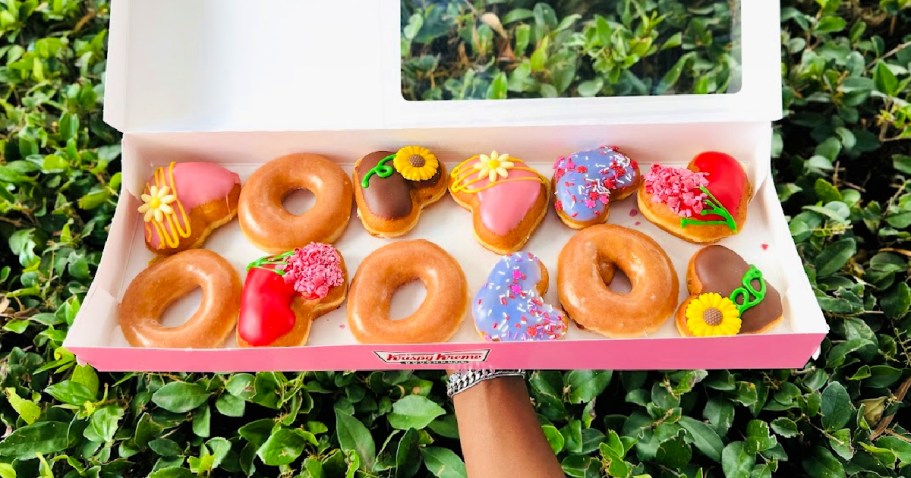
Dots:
{"x": 162, "y": 211}
{"x": 415, "y": 163}
{"x": 710, "y": 315}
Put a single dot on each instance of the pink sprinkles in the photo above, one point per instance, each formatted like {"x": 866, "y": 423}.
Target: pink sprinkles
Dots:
{"x": 314, "y": 270}
{"x": 678, "y": 188}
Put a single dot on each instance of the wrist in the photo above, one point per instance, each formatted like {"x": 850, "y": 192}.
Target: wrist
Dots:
{"x": 460, "y": 381}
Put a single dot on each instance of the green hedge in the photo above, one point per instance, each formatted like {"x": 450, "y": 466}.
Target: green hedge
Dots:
{"x": 843, "y": 171}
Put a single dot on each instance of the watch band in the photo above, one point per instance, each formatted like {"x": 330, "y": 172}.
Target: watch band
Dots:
{"x": 465, "y": 379}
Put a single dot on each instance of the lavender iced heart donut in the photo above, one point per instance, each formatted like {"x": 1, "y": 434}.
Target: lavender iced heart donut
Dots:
{"x": 586, "y": 182}
{"x": 510, "y": 305}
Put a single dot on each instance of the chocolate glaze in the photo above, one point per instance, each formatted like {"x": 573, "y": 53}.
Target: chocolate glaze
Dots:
{"x": 389, "y": 198}
{"x": 721, "y": 270}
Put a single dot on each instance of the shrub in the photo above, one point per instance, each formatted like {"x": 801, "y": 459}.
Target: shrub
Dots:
{"x": 842, "y": 167}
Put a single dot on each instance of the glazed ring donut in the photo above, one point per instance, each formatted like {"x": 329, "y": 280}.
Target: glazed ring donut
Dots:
{"x": 586, "y": 265}
{"x": 392, "y": 266}
{"x": 269, "y": 226}
{"x": 169, "y": 279}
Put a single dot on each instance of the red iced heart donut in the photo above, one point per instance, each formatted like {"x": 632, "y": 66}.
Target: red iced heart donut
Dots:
{"x": 284, "y": 294}
{"x": 702, "y": 203}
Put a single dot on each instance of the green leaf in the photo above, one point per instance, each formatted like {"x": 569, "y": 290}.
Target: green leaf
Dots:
{"x": 415, "y": 22}
{"x": 40, "y": 437}
{"x": 73, "y": 393}
{"x": 785, "y": 427}
{"x": 590, "y": 87}
{"x": 554, "y": 438}
{"x": 836, "y": 406}
{"x": 897, "y": 301}
{"x": 585, "y": 385}
{"x": 443, "y": 462}
{"x": 7, "y": 470}
{"x": 230, "y": 405}
{"x": 884, "y": 80}
{"x": 902, "y": 163}
{"x": 202, "y": 418}
{"x": 517, "y": 15}
{"x": 736, "y": 462}
{"x": 408, "y": 454}
{"x": 840, "y": 442}
{"x": 704, "y": 437}
{"x": 498, "y": 87}
{"x": 900, "y": 448}
{"x": 414, "y": 411}
{"x": 103, "y": 423}
{"x": 172, "y": 472}
{"x": 353, "y": 435}
{"x": 87, "y": 376}
{"x": 241, "y": 385}
{"x": 822, "y": 464}
{"x": 282, "y": 447}
{"x": 835, "y": 256}
{"x": 28, "y": 410}
{"x": 165, "y": 447}
{"x": 830, "y": 24}
{"x": 180, "y": 397}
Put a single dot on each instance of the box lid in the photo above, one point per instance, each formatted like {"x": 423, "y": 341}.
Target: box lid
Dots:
{"x": 286, "y": 65}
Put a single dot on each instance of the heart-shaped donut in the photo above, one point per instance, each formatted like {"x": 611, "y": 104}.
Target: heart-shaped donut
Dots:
{"x": 727, "y": 296}
{"x": 510, "y": 305}
{"x": 506, "y": 197}
{"x": 702, "y": 203}
{"x": 285, "y": 293}
{"x": 586, "y": 182}
{"x": 391, "y": 189}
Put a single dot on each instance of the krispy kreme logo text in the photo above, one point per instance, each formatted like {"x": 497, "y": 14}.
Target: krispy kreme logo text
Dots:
{"x": 466, "y": 356}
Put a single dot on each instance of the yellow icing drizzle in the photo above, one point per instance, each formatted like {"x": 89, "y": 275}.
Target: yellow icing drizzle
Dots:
{"x": 171, "y": 237}
{"x": 464, "y": 176}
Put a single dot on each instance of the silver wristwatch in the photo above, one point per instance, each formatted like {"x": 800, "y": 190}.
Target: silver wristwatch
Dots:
{"x": 465, "y": 379}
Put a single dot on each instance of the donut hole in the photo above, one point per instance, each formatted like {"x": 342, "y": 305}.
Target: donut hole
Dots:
{"x": 615, "y": 278}
{"x": 298, "y": 201}
{"x": 179, "y": 311}
{"x": 407, "y": 299}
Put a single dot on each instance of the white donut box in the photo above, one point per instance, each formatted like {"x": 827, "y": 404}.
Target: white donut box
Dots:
{"x": 239, "y": 84}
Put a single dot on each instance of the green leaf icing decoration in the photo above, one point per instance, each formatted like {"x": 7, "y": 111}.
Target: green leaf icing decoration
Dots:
{"x": 751, "y": 297}
{"x": 381, "y": 169}
{"x": 272, "y": 261}
{"x": 713, "y": 206}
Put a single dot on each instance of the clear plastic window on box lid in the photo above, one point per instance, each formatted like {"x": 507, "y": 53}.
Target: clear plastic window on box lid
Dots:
{"x": 287, "y": 65}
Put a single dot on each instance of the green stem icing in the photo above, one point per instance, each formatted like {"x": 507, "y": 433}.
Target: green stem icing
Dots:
{"x": 713, "y": 206}
{"x": 381, "y": 169}
{"x": 272, "y": 261}
{"x": 751, "y": 297}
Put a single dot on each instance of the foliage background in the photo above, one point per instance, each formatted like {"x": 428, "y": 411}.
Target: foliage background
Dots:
{"x": 842, "y": 167}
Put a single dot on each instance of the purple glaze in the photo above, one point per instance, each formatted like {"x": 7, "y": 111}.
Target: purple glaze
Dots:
{"x": 508, "y": 307}
{"x": 583, "y": 181}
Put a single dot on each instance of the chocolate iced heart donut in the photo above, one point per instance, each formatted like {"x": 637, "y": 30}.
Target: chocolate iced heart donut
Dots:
{"x": 391, "y": 189}
{"x": 702, "y": 203}
{"x": 727, "y": 296}
{"x": 510, "y": 305}
{"x": 586, "y": 182}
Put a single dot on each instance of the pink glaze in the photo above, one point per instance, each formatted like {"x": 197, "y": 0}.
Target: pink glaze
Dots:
{"x": 314, "y": 269}
{"x": 678, "y": 188}
{"x": 504, "y": 205}
{"x": 197, "y": 184}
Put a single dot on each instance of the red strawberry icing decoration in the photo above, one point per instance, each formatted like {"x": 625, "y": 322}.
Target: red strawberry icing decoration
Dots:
{"x": 727, "y": 180}
{"x": 274, "y": 282}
